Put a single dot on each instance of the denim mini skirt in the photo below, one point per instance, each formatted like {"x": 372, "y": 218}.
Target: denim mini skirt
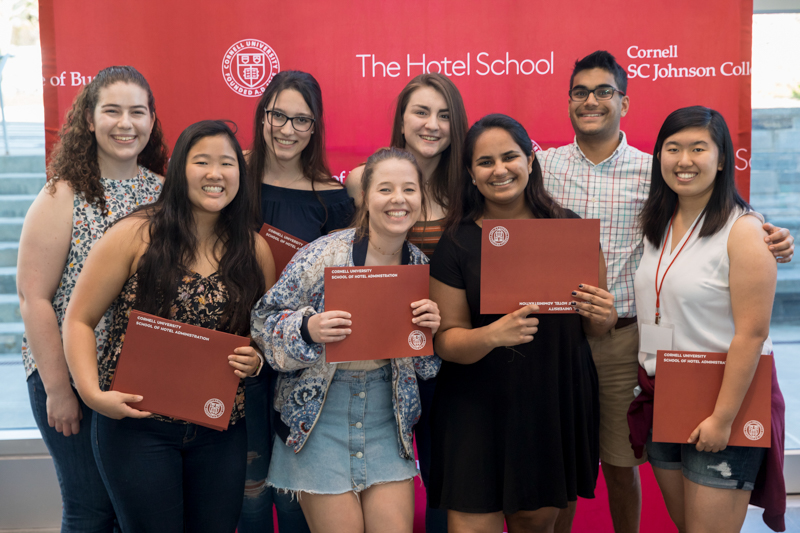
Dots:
{"x": 354, "y": 443}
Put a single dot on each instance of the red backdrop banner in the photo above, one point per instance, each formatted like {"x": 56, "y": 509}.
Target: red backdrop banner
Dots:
{"x": 207, "y": 59}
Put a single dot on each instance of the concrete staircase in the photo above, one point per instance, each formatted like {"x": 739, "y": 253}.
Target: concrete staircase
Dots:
{"x": 22, "y": 175}
{"x": 21, "y": 179}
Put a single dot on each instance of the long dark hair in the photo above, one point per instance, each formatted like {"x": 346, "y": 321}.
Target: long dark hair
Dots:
{"x": 313, "y": 159}
{"x": 74, "y": 158}
{"x": 361, "y": 218}
{"x": 469, "y": 202}
{"x": 173, "y": 246}
{"x": 447, "y": 175}
{"x": 660, "y": 205}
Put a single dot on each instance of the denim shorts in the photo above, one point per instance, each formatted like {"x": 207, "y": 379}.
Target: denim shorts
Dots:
{"x": 354, "y": 443}
{"x": 735, "y": 467}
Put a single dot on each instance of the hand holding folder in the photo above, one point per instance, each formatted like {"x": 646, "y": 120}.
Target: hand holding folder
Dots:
{"x": 384, "y": 312}
{"x": 179, "y": 370}
{"x": 687, "y": 387}
{"x": 537, "y": 261}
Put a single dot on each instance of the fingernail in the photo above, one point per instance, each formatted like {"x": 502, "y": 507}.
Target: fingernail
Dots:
{"x": 573, "y": 303}
{"x": 574, "y": 293}
{"x": 580, "y": 286}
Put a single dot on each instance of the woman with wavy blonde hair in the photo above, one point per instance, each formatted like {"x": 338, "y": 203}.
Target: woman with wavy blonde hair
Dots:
{"x": 107, "y": 163}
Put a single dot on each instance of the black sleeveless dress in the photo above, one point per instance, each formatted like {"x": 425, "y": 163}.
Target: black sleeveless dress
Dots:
{"x": 518, "y": 430}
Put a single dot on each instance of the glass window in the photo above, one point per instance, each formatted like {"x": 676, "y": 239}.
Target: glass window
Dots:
{"x": 775, "y": 184}
{"x": 22, "y": 175}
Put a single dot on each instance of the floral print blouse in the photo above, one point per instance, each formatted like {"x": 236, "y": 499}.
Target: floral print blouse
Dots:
{"x": 305, "y": 375}
{"x": 88, "y": 225}
{"x": 200, "y": 302}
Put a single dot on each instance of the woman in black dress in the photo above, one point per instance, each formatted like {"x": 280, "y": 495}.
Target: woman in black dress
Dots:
{"x": 515, "y": 432}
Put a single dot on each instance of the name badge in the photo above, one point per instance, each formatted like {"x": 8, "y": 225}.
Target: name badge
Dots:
{"x": 655, "y": 337}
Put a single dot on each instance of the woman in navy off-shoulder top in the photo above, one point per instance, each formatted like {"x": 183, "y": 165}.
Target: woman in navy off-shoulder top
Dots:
{"x": 298, "y": 196}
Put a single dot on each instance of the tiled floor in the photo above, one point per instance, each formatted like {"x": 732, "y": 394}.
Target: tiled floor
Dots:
{"x": 754, "y": 524}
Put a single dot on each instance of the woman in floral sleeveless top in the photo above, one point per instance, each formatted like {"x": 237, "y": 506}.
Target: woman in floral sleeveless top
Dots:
{"x": 106, "y": 164}
{"x": 195, "y": 257}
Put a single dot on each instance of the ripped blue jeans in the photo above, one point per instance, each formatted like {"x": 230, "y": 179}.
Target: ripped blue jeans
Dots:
{"x": 735, "y": 467}
{"x": 259, "y": 498}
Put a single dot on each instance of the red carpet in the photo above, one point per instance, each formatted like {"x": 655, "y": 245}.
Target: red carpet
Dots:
{"x": 593, "y": 515}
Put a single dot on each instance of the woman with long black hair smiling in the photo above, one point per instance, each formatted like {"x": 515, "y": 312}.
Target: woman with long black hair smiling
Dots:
{"x": 707, "y": 278}
{"x": 515, "y": 420}
{"x": 194, "y": 257}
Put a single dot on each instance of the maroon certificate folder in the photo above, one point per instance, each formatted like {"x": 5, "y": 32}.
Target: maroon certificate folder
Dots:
{"x": 687, "y": 386}
{"x": 182, "y": 371}
{"x": 282, "y": 245}
{"x": 379, "y": 300}
{"x": 539, "y": 261}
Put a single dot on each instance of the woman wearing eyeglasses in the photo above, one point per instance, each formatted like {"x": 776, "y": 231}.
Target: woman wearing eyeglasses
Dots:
{"x": 298, "y": 196}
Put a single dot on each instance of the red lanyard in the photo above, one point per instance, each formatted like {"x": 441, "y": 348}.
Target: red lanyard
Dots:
{"x": 664, "y": 246}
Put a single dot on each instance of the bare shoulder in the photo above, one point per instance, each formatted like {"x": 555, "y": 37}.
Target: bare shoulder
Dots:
{"x": 747, "y": 237}
{"x": 59, "y": 189}
{"x": 56, "y": 194}
{"x": 262, "y": 247}
{"x": 748, "y": 227}
{"x": 353, "y": 182}
{"x": 265, "y": 259}
{"x": 51, "y": 211}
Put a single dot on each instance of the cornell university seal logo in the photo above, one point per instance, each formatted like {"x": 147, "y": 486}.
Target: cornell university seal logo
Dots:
{"x": 417, "y": 340}
{"x": 498, "y": 236}
{"x": 753, "y": 430}
{"x": 214, "y": 408}
{"x": 248, "y": 66}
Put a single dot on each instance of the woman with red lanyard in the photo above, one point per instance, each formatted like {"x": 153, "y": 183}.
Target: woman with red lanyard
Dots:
{"x": 705, "y": 283}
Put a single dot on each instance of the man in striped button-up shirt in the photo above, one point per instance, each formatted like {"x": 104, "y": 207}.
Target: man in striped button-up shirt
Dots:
{"x": 601, "y": 176}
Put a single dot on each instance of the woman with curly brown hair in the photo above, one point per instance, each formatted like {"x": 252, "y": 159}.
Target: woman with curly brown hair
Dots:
{"x": 107, "y": 163}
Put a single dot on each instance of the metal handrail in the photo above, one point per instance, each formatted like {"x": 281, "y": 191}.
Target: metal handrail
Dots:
{"x": 3, "y": 60}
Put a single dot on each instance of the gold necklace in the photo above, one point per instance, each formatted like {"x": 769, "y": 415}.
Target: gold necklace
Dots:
{"x": 382, "y": 252}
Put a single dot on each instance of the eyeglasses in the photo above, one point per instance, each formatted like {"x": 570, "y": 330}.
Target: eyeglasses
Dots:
{"x": 604, "y": 92}
{"x": 278, "y": 119}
